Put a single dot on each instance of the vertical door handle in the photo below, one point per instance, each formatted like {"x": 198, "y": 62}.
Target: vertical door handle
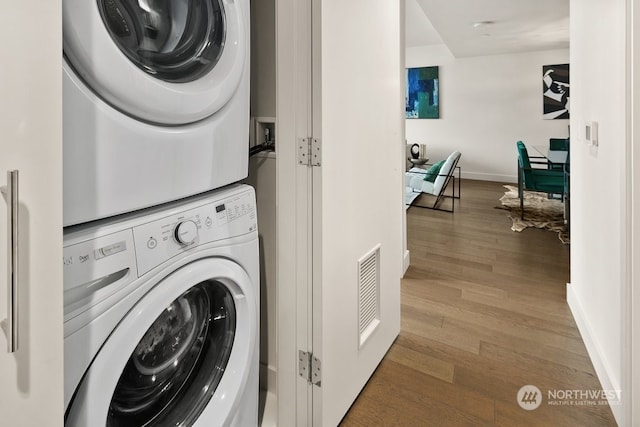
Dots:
{"x": 12, "y": 268}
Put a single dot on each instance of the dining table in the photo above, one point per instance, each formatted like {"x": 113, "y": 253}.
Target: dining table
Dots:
{"x": 559, "y": 157}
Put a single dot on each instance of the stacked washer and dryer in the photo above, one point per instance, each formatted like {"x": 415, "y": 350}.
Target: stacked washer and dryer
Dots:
{"x": 161, "y": 285}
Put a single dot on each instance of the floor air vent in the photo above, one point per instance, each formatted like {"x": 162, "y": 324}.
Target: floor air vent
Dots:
{"x": 368, "y": 293}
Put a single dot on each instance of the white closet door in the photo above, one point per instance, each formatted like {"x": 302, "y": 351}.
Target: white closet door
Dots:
{"x": 357, "y": 192}
{"x": 340, "y": 221}
{"x": 31, "y": 378}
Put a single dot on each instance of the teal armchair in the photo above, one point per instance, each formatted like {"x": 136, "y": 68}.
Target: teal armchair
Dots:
{"x": 535, "y": 179}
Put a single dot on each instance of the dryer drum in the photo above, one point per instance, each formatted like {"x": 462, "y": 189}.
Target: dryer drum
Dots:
{"x": 177, "y": 41}
{"x": 179, "y": 362}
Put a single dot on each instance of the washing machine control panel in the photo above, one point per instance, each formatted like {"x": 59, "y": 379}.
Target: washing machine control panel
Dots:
{"x": 96, "y": 269}
{"x": 159, "y": 240}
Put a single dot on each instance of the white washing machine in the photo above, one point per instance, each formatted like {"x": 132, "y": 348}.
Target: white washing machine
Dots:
{"x": 155, "y": 102}
{"x": 161, "y": 312}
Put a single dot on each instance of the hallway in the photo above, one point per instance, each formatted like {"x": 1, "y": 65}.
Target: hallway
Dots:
{"x": 484, "y": 313}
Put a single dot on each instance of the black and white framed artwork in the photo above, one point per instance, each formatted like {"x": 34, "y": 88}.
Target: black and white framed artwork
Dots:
{"x": 555, "y": 91}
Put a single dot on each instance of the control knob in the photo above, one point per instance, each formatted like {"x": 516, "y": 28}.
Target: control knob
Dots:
{"x": 186, "y": 232}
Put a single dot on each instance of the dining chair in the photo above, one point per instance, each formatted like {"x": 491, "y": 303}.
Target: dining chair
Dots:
{"x": 536, "y": 179}
{"x": 558, "y": 144}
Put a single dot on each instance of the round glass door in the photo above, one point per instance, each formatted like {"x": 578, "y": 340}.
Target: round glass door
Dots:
{"x": 179, "y": 362}
{"x": 174, "y": 40}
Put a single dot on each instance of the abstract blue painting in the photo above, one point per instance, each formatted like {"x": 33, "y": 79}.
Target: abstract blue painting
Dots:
{"x": 422, "y": 93}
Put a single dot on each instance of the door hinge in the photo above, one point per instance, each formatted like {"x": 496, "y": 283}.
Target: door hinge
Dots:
{"x": 309, "y": 367}
{"x": 309, "y": 151}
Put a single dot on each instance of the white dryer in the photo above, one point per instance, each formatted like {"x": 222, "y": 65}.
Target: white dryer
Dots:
{"x": 161, "y": 315}
{"x": 155, "y": 102}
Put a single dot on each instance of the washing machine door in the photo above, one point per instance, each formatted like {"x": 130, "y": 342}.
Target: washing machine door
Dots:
{"x": 166, "y": 62}
{"x": 180, "y": 357}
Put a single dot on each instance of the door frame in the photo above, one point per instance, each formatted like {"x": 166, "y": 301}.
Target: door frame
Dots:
{"x": 293, "y": 211}
{"x": 630, "y": 294}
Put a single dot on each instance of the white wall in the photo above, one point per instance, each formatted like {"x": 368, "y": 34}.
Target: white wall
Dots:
{"x": 598, "y": 186}
{"x": 486, "y": 104}
{"x": 632, "y": 294}
{"x": 262, "y": 176}
{"x": 263, "y": 58}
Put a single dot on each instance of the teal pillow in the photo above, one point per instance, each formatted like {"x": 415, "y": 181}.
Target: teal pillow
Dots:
{"x": 432, "y": 172}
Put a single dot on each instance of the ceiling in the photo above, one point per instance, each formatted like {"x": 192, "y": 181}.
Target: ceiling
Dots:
{"x": 488, "y": 27}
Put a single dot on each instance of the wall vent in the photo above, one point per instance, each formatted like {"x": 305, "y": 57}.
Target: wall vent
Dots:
{"x": 368, "y": 294}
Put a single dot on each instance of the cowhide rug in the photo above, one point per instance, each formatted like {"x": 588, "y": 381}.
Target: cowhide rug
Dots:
{"x": 539, "y": 212}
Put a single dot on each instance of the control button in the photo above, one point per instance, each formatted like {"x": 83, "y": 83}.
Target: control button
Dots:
{"x": 186, "y": 232}
{"x": 152, "y": 243}
{"x": 208, "y": 221}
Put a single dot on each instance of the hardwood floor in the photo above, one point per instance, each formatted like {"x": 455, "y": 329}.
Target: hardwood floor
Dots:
{"x": 484, "y": 313}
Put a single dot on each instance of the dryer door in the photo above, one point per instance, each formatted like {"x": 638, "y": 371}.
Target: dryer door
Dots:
{"x": 185, "y": 350}
{"x": 162, "y": 61}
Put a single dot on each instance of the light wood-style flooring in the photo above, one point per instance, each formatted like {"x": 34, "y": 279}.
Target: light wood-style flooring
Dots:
{"x": 484, "y": 313}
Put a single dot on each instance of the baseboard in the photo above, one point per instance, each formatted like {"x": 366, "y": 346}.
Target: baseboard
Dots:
{"x": 594, "y": 349}
{"x": 406, "y": 262}
{"x": 489, "y": 177}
